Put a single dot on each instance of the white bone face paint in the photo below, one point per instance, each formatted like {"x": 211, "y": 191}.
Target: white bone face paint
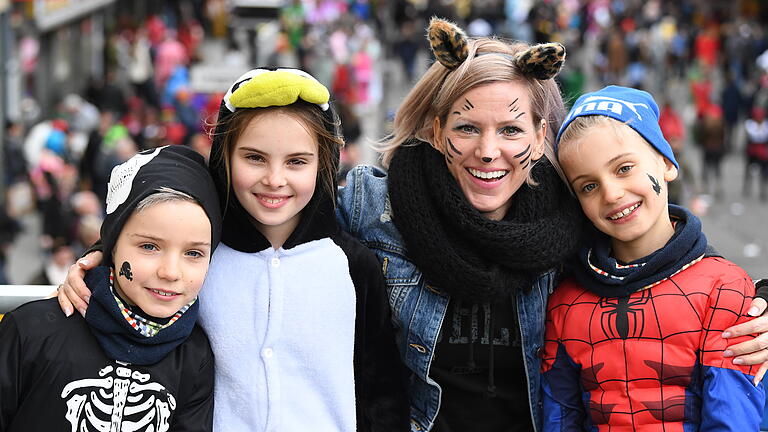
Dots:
{"x": 120, "y": 400}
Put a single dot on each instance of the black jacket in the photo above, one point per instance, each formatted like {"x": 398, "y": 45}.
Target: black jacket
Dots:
{"x": 53, "y": 373}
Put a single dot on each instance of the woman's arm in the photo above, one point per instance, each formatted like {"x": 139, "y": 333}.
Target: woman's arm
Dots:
{"x": 754, "y": 351}
{"x": 73, "y": 294}
{"x": 730, "y": 401}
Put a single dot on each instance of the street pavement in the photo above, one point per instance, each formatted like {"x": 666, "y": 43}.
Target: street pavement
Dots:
{"x": 735, "y": 225}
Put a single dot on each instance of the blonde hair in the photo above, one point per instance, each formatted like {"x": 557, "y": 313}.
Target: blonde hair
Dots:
{"x": 309, "y": 115}
{"x": 163, "y": 195}
{"x": 581, "y": 125}
{"x": 489, "y": 60}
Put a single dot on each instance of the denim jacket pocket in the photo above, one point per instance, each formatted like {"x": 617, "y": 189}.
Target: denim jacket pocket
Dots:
{"x": 401, "y": 277}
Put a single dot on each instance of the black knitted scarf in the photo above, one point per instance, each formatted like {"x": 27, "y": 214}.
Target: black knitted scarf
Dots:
{"x": 465, "y": 254}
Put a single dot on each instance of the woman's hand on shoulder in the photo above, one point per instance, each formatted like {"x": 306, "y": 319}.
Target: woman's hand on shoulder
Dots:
{"x": 73, "y": 294}
{"x": 753, "y": 351}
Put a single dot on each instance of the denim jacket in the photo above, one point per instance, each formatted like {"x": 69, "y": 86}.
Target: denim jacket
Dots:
{"x": 419, "y": 308}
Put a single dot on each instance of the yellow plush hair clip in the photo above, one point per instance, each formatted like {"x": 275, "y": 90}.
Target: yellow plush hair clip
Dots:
{"x": 262, "y": 88}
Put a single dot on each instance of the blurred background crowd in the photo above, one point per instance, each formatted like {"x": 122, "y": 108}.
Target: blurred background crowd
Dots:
{"x": 88, "y": 83}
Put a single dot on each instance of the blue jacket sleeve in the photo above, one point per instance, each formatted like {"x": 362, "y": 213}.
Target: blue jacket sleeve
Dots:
{"x": 562, "y": 393}
{"x": 730, "y": 402}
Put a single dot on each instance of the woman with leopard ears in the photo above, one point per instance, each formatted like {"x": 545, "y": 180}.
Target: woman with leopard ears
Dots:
{"x": 471, "y": 224}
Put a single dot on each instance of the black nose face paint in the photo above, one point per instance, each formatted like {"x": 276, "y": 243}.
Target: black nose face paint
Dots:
{"x": 487, "y": 160}
{"x": 125, "y": 270}
{"x": 656, "y": 185}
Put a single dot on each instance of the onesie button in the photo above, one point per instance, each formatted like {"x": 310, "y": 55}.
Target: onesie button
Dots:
{"x": 275, "y": 262}
{"x": 267, "y": 352}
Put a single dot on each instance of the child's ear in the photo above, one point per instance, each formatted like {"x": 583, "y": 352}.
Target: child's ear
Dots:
{"x": 670, "y": 170}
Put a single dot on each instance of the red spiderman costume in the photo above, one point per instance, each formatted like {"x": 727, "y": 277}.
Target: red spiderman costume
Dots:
{"x": 639, "y": 347}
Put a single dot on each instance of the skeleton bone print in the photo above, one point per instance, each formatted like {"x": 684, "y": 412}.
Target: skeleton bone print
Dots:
{"x": 121, "y": 399}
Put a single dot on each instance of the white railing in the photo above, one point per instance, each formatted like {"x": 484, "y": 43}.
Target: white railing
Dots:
{"x": 13, "y": 296}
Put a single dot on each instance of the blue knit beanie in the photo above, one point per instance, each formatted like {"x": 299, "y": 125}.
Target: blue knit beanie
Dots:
{"x": 635, "y": 108}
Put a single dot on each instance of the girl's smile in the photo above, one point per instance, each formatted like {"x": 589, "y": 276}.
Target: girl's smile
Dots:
{"x": 273, "y": 201}
{"x": 274, "y": 172}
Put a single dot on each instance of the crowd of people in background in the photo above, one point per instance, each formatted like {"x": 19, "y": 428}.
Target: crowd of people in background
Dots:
{"x": 698, "y": 56}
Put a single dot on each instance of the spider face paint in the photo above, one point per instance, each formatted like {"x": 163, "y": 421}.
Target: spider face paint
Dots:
{"x": 656, "y": 185}
{"x": 125, "y": 270}
{"x": 484, "y": 130}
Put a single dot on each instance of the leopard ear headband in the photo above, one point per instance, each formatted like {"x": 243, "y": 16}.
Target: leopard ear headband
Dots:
{"x": 449, "y": 44}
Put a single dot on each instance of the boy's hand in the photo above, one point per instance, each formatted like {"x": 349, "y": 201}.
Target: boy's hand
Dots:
{"x": 754, "y": 351}
{"x": 73, "y": 294}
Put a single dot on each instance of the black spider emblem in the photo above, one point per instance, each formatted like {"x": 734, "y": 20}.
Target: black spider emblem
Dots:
{"x": 620, "y": 319}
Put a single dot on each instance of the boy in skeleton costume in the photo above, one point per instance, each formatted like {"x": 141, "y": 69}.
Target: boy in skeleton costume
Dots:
{"x": 137, "y": 361}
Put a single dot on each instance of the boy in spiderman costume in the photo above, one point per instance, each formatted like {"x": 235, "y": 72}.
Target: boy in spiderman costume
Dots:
{"x": 633, "y": 338}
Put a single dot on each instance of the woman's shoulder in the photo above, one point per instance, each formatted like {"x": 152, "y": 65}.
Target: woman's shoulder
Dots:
{"x": 365, "y": 184}
{"x": 364, "y": 209}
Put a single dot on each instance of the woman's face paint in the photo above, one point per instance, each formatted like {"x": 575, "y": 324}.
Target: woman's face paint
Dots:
{"x": 524, "y": 156}
{"x": 125, "y": 270}
{"x": 514, "y": 107}
{"x": 488, "y": 141}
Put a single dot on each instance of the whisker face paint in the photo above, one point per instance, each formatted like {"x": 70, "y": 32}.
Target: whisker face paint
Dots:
{"x": 656, "y": 185}
{"x": 448, "y": 157}
{"x": 125, "y": 270}
{"x": 513, "y": 106}
{"x": 526, "y": 153}
{"x": 453, "y": 147}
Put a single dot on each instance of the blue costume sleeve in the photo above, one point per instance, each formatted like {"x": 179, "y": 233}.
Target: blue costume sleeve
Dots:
{"x": 730, "y": 402}
{"x": 562, "y": 394}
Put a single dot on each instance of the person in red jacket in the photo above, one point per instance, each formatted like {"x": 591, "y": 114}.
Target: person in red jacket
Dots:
{"x": 634, "y": 339}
